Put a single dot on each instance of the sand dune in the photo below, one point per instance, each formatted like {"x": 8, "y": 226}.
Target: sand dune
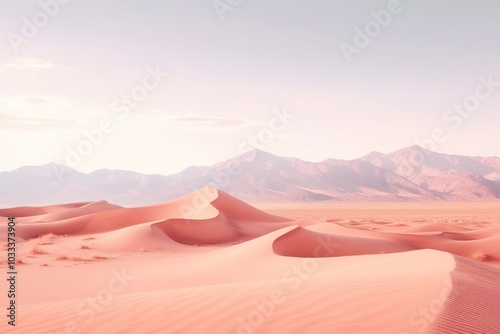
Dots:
{"x": 305, "y": 243}
{"x": 26, "y": 211}
{"x": 210, "y": 263}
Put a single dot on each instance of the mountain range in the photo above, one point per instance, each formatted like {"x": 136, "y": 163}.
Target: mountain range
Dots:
{"x": 409, "y": 174}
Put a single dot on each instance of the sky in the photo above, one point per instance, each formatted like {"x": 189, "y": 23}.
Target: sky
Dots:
{"x": 157, "y": 86}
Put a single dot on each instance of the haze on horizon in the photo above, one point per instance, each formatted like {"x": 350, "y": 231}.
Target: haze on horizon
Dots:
{"x": 230, "y": 81}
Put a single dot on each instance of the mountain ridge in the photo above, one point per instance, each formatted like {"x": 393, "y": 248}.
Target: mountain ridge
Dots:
{"x": 409, "y": 174}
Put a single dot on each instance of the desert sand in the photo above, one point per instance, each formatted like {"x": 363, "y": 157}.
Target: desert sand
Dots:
{"x": 210, "y": 263}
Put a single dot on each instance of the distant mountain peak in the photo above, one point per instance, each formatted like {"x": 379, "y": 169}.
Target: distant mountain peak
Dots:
{"x": 52, "y": 168}
{"x": 407, "y": 152}
{"x": 372, "y": 155}
{"x": 414, "y": 148}
{"x": 411, "y": 173}
{"x": 260, "y": 152}
{"x": 256, "y": 153}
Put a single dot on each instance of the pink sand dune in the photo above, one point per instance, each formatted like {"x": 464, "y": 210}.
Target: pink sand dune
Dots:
{"x": 436, "y": 294}
{"x": 210, "y": 263}
{"x": 305, "y": 243}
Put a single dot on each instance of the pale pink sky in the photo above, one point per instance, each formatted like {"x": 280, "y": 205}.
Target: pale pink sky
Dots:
{"x": 227, "y": 79}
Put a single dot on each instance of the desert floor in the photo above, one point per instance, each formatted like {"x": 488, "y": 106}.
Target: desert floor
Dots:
{"x": 209, "y": 263}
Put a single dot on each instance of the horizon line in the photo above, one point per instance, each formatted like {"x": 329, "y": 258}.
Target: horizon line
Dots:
{"x": 254, "y": 149}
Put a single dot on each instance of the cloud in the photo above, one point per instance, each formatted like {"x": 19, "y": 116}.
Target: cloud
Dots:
{"x": 35, "y": 124}
{"x": 213, "y": 122}
{"x": 36, "y": 111}
{"x": 200, "y": 123}
{"x": 33, "y": 103}
{"x": 28, "y": 64}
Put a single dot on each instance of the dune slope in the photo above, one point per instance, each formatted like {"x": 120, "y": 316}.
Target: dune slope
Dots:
{"x": 210, "y": 263}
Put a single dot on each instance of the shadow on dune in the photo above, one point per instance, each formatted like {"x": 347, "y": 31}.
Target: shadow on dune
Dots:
{"x": 473, "y": 304}
{"x": 218, "y": 230}
{"x": 301, "y": 242}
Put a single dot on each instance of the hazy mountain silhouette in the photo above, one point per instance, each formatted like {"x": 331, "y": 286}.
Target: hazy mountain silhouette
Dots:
{"x": 412, "y": 173}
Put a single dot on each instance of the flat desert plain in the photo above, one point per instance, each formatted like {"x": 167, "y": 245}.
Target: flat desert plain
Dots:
{"x": 210, "y": 263}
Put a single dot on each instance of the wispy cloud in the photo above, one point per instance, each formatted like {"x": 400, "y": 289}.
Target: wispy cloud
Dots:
{"x": 196, "y": 122}
{"x": 35, "y": 124}
{"x": 36, "y": 111}
{"x": 28, "y": 64}
{"x": 210, "y": 122}
{"x": 33, "y": 103}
